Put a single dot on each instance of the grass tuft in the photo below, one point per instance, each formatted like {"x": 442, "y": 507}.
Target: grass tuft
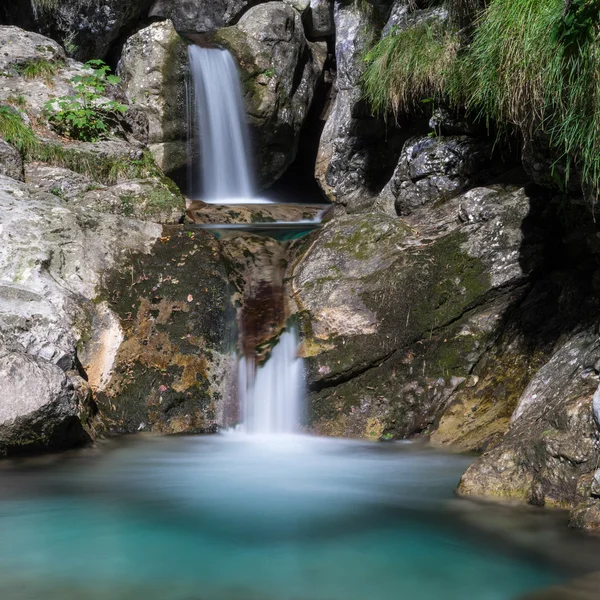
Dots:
{"x": 531, "y": 64}
{"x": 406, "y": 67}
{"x": 39, "y": 68}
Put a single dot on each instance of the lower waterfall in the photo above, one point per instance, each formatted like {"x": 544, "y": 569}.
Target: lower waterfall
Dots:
{"x": 271, "y": 395}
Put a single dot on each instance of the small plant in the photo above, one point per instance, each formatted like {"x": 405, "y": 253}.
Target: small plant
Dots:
{"x": 14, "y": 129}
{"x": 16, "y": 101}
{"x": 577, "y": 24}
{"x": 39, "y": 68}
{"x": 86, "y": 115}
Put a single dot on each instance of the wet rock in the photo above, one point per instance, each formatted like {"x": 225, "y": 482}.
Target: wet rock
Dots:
{"x": 85, "y": 29}
{"x": 172, "y": 371}
{"x": 199, "y": 15}
{"x": 153, "y": 68}
{"x": 280, "y": 70}
{"x": 395, "y": 313}
{"x": 11, "y": 163}
{"x": 432, "y": 169}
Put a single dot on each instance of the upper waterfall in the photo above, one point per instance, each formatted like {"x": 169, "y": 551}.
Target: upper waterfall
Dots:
{"x": 223, "y": 173}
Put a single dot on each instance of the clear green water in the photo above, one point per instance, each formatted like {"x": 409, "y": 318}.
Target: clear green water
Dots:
{"x": 233, "y": 517}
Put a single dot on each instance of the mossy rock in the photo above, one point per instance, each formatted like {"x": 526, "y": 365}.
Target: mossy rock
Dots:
{"x": 173, "y": 305}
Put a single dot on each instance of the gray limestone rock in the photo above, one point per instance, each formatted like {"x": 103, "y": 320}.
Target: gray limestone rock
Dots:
{"x": 11, "y": 163}
{"x": 153, "y": 68}
{"x": 431, "y": 169}
{"x": 279, "y": 71}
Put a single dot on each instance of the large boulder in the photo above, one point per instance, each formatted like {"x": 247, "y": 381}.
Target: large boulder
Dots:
{"x": 199, "y": 16}
{"x": 432, "y": 169}
{"x": 52, "y": 260}
{"x": 153, "y": 68}
{"x": 395, "y": 314}
{"x": 551, "y": 449}
{"x": 41, "y": 406}
{"x": 85, "y": 29}
{"x": 280, "y": 70}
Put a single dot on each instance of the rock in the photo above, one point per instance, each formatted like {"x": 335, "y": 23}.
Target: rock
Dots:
{"x": 395, "y": 314}
{"x": 52, "y": 259}
{"x": 280, "y": 70}
{"x": 446, "y": 122}
{"x": 403, "y": 16}
{"x": 173, "y": 370}
{"x": 20, "y": 48}
{"x": 596, "y": 406}
{"x": 199, "y": 15}
{"x": 11, "y": 163}
{"x": 552, "y": 441}
{"x": 153, "y": 68}
{"x": 86, "y": 30}
{"x": 143, "y": 193}
{"x": 434, "y": 169}
{"x": 40, "y": 407}
{"x": 145, "y": 199}
{"x": 318, "y": 21}
{"x": 357, "y": 152}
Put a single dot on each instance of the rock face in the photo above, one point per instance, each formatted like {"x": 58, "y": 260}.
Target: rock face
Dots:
{"x": 552, "y": 447}
{"x": 116, "y": 175}
{"x": 172, "y": 369}
{"x": 319, "y": 19}
{"x": 199, "y": 16}
{"x": 86, "y": 29}
{"x": 71, "y": 255}
{"x": 396, "y": 314}
{"x": 357, "y": 152}
{"x": 50, "y": 266}
{"x": 435, "y": 169}
{"x": 11, "y": 163}
{"x": 153, "y": 68}
{"x": 280, "y": 70}
{"x": 41, "y": 407}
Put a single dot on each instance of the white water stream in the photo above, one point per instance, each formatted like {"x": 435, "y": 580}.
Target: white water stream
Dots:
{"x": 270, "y": 396}
{"x": 221, "y": 138}
{"x": 271, "y": 399}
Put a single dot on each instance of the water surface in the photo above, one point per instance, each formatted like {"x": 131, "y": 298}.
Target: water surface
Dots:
{"x": 238, "y": 517}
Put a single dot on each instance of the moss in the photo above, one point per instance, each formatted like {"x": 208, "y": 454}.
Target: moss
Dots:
{"x": 455, "y": 281}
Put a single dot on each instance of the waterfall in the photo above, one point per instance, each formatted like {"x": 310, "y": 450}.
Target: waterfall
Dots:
{"x": 220, "y": 133}
{"x": 271, "y": 396}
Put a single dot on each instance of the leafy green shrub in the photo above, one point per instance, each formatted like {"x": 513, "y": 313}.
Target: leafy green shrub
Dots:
{"x": 86, "y": 116}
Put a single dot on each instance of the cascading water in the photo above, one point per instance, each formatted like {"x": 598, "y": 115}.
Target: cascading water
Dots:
{"x": 218, "y": 120}
{"x": 270, "y": 396}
